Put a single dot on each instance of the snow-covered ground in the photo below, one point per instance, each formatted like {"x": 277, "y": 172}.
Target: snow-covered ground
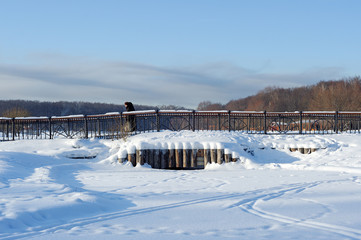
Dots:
{"x": 270, "y": 193}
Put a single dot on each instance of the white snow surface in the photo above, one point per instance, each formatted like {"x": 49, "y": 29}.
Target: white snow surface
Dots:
{"x": 270, "y": 193}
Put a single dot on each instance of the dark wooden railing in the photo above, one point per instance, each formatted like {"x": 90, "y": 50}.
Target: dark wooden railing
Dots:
{"x": 113, "y": 125}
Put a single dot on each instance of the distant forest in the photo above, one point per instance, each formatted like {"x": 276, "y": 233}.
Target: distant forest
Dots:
{"x": 341, "y": 95}
{"x": 23, "y": 108}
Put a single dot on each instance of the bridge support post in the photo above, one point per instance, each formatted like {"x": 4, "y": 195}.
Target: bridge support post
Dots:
{"x": 50, "y": 132}
{"x": 13, "y": 131}
{"x": 85, "y": 126}
{"x": 194, "y": 120}
{"x": 229, "y": 120}
{"x": 265, "y": 122}
{"x": 300, "y": 125}
{"x": 336, "y": 122}
{"x": 158, "y": 120}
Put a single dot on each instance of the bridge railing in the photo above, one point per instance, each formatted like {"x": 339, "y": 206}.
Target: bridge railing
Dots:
{"x": 112, "y": 125}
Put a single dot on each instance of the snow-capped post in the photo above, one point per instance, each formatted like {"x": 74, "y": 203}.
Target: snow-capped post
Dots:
{"x": 164, "y": 163}
{"x": 214, "y": 155}
{"x": 86, "y": 126}
{"x": 194, "y": 120}
{"x": 207, "y": 157}
{"x": 13, "y": 127}
{"x": 229, "y": 120}
{"x": 156, "y": 161}
{"x": 300, "y": 130}
{"x": 187, "y": 153}
{"x": 50, "y": 133}
{"x": 336, "y": 121}
{"x": 171, "y": 159}
{"x": 220, "y": 155}
{"x": 132, "y": 158}
{"x": 265, "y": 122}
{"x": 228, "y": 157}
{"x": 140, "y": 156}
{"x": 158, "y": 120}
{"x": 178, "y": 158}
{"x": 194, "y": 158}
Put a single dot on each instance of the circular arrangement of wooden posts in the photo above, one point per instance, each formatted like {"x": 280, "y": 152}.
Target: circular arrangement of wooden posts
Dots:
{"x": 304, "y": 150}
{"x": 178, "y": 158}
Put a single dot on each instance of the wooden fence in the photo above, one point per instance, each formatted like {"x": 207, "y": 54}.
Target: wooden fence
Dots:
{"x": 112, "y": 125}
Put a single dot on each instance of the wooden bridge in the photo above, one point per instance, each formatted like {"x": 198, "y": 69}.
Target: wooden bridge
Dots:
{"x": 113, "y": 125}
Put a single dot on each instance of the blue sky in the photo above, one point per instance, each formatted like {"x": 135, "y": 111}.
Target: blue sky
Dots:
{"x": 159, "y": 52}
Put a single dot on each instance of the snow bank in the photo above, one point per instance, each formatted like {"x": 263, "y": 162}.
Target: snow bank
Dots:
{"x": 270, "y": 192}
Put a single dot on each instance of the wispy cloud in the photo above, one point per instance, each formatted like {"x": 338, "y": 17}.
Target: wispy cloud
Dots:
{"x": 116, "y": 82}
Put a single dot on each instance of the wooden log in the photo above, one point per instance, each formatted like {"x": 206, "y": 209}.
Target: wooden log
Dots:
{"x": 187, "y": 154}
{"x": 164, "y": 159}
{"x": 194, "y": 158}
{"x": 220, "y": 156}
{"x": 122, "y": 159}
{"x": 156, "y": 159}
{"x": 140, "y": 157}
{"x": 235, "y": 159}
{"x": 228, "y": 157}
{"x": 131, "y": 158}
{"x": 207, "y": 157}
{"x": 146, "y": 157}
{"x": 213, "y": 155}
{"x": 179, "y": 158}
{"x": 150, "y": 157}
{"x": 172, "y": 159}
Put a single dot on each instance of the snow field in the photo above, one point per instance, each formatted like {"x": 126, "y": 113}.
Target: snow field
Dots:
{"x": 270, "y": 193}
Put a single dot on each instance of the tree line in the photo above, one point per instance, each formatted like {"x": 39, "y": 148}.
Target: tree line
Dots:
{"x": 340, "y": 95}
{"x": 24, "y": 108}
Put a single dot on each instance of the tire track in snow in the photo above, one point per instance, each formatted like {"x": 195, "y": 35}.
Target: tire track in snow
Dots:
{"x": 250, "y": 207}
{"x": 37, "y": 231}
{"x": 247, "y": 203}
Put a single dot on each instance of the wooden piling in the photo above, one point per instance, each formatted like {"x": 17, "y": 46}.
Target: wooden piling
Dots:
{"x": 220, "y": 156}
{"x": 194, "y": 158}
{"x": 207, "y": 157}
{"x": 213, "y": 155}
{"x": 200, "y": 158}
{"x": 313, "y": 150}
{"x": 132, "y": 158}
{"x": 140, "y": 157}
{"x": 172, "y": 163}
{"x": 150, "y": 154}
{"x": 186, "y": 158}
{"x": 228, "y": 157}
{"x": 187, "y": 154}
{"x": 156, "y": 161}
{"x": 164, "y": 157}
{"x": 122, "y": 159}
{"x": 179, "y": 158}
